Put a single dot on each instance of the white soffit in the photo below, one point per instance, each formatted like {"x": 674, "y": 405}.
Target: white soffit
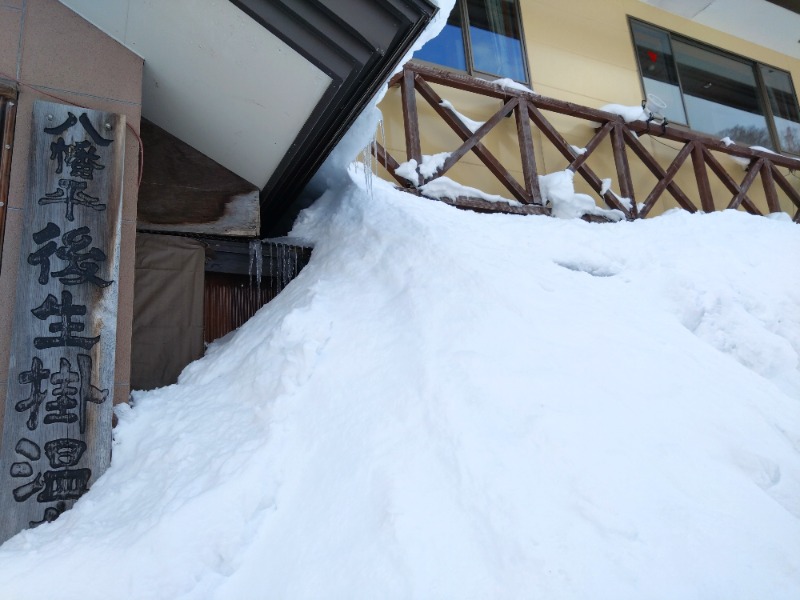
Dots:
{"x": 215, "y": 78}
{"x": 756, "y": 21}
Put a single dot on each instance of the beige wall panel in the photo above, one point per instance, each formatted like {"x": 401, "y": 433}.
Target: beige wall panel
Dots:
{"x": 602, "y": 12}
{"x": 549, "y": 25}
{"x": 567, "y": 71}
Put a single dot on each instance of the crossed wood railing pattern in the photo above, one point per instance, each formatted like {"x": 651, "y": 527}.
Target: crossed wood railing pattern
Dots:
{"x": 527, "y": 108}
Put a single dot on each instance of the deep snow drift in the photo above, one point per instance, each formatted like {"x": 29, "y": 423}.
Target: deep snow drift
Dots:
{"x": 452, "y": 405}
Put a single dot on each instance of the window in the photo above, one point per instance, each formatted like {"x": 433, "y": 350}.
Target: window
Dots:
{"x": 716, "y": 92}
{"x": 482, "y": 37}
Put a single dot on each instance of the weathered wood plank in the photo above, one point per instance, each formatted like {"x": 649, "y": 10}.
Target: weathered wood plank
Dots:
{"x": 752, "y": 173}
{"x": 410, "y": 117}
{"x": 666, "y": 178}
{"x": 769, "y": 187}
{"x": 788, "y": 189}
{"x": 389, "y": 163}
{"x": 728, "y": 181}
{"x": 598, "y": 137}
{"x": 685, "y": 136}
{"x": 8, "y": 114}
{"x": 572, "y": 156}
{"x": 57, "y": 425}
{"x": 475, "y": 138}
{"x": 481, "y": 205}
{"x": 468, "y": 83}
{"x": 701, "y": 176}
{"x": 634, "y": 144}
{"x": 486, "y": 157}
{"x": 529, "y": 171}
{"x": 184, "y": 190}
{"x": 623, "y": 169}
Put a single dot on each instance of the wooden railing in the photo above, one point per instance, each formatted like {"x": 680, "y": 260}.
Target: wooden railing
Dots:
{"x": 528, "y": 110}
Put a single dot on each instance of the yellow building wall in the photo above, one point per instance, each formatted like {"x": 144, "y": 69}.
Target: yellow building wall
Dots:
{"x": 581, "y": 51}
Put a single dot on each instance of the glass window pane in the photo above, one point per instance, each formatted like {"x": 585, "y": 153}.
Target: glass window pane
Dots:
{"x": 657, "y": 68}
{"x": 495, "y": 38}
{"x": 447, "y": 48}
{"x": 721, "y": 95}
{"x": 784, "y": 108}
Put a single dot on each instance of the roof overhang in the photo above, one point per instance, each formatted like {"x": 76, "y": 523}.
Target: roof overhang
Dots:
{"x": 264, "y": 88}
{"x": 357, "y": 43}
{"x": 774, "y": 24}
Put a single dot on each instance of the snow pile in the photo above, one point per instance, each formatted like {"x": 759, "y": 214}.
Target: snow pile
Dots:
{"x": 452, "y": 405}
{"x": 470, "y": 124}
{"x": 444, "y": 187}
{"x": 628, "y": 113}
{"x": 507, "y": 83}
{"x": 430, "y": 165}
{"x": 559, "y": 190}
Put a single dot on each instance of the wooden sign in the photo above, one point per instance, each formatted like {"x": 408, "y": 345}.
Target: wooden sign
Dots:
{"x": 57, "y": 426}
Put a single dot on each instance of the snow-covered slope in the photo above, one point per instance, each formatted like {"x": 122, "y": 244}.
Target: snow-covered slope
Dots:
{"x": 452, "y": 405}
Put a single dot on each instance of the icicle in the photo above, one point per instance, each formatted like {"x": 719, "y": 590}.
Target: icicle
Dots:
{"x": 369, "y": 160}
{"x": 254, "y": 244}
{"x": 382, "y": 133}
{"x": 366, "y": 155}
{"x": 259, "y": 259}
{"x": 285, "y": 276}
{"x": 259, "y": 262}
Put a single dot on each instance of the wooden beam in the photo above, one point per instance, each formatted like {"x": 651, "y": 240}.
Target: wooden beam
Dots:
{"x": 623, "y": 169}
{"x": 666, "y": 178}
{"x": 8, "y": 113}
{"x": 183, "y": 190}
{"x": 527, "y": 155}
{"x": 769, "y": 187}
{"x": 410, "y": 118}
{"x": 701, "y": 176}
{"x": 569, "y": 153}
{"x": 784, "y": 184}
{"x": 748, "y": 180}
{"x": 656, "y": 169}
{"x": 494, "y": 165}
{"x": 685, "y": 136}
{"x": 388, "y": 162}
{"x": 468, "y": 83}
{"x": 476, "y": 137}
{"x": 487, "y": 206}
{"x": 728, "y": 181}
{"x": 598, "y": 137}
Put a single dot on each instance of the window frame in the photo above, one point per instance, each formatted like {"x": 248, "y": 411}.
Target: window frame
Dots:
{"x": 763, "y": 96}
{"x": 8, "y": 119}
{"x": 461, "y": 6}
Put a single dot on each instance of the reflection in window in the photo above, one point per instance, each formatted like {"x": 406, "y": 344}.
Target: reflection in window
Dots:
{"x": 783, "y": 103}
{"x": 721, "y": 95}
{"x": 716, "y": 92}
{"x": 448, "y": 47}
{"x": 658, "y": 69}
{"x": 483, "y": 37}
{"x": 494, "y": 33}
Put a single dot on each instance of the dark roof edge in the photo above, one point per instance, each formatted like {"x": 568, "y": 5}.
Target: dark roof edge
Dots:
{"x": 358, "y": 43}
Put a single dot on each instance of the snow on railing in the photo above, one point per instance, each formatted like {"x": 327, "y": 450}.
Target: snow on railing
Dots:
{"x": 535, "y": 193}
